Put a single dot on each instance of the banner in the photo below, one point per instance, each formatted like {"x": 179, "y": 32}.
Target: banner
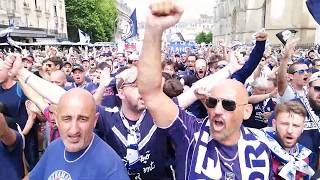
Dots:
{"x": 181, "y": 46}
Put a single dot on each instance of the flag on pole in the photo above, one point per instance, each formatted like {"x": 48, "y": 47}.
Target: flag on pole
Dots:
{"x": 83, "y": 37}
{"x": 314, "y": 8}
{"x": 283, "y": 36}
{"x": 133, "y": 27}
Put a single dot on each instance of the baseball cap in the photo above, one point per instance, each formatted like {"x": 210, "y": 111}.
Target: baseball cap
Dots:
{"x": 128, "y": 76}
{"x": 28, "y": 58}
{"x": 67, "y": 62}
{"x": 314, "y": 77}
{"x": 77, "y": 66}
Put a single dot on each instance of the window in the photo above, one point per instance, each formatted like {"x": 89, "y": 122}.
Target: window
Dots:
{"x": 27, "y": 21}
{"x": 55, "y": 10}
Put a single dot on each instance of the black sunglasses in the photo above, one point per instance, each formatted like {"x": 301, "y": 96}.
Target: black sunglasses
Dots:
{"x": 316, "y": 88}
{"x": 228, "y": 105}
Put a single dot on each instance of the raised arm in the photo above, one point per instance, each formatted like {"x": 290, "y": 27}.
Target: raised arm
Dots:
{"x": 45, "y": 88}
{"x": 188, "y": 97}
{"x": 254, "y": 58}
{"x": 282, "y": 71}
{"x": 7, "y": 135}
{"x": 105, "y": 81}
{"x": 35, "y": 97}
{"x": 163, "y": 15}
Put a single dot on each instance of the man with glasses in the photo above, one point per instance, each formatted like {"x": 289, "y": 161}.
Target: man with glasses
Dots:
{"x": 217, "y": 148}
{"x": 298, "y": 74}
{"x": 311, "y": 102}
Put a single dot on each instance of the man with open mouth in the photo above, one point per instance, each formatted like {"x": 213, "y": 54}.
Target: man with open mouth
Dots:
{"x": 218, "y": 147}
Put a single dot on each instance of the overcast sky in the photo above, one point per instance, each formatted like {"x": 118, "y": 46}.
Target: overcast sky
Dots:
{"x": 192, "y": 8}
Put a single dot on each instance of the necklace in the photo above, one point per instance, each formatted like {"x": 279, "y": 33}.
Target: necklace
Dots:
{"x": 224, "y": 158}
{"x": 64, "y": 152}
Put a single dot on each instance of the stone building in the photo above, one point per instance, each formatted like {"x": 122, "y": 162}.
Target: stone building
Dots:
{"x": 239, "y": 19}
{"x": 36, "y": 20}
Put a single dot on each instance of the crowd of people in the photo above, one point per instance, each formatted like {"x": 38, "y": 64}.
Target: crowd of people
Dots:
{"x": 214, "y": 112}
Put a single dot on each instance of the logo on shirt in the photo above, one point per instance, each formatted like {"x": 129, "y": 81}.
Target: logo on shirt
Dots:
{"x": 229, "y": 176}
{"x": 60, "y": 175}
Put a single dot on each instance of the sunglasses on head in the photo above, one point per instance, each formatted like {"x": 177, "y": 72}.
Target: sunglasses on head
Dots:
{"x": 228, "y": 105}
{"x": 302, "y": 71}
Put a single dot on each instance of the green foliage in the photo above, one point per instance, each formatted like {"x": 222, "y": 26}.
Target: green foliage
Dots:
{"x": 203, "y": 37}
{"x": 95, "y": 17}
{"x": 209, "y": 37}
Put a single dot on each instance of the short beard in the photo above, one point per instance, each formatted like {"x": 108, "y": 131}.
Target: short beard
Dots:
{"x": 314, "y": 105}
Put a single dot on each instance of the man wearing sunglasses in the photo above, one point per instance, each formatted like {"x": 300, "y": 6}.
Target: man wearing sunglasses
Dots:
{"x": 298, "y": 74}
{"x": 296, "y": 89}
{"x": 217, "y": 148}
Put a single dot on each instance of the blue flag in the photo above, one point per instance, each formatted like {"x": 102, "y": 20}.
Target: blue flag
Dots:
{"x": 134, "y": 27}
{"x": 130, "y": 28}
{"x": 314, "y": 8}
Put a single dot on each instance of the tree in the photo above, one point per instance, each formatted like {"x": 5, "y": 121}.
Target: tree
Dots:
{"x": 95, "y": 17}
{"x": 209, "y": 38}
{"x": 201, "y": 37}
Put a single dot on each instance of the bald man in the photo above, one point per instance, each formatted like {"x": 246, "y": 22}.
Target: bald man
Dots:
{"x": 218, "y": 147}
{"x": 59, "y": 78}
{"x": 78, "y": 148}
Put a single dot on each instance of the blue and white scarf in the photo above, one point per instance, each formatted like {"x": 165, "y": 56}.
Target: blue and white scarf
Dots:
{"x": 254, "y": 157}
{"x": 292, "y": 162}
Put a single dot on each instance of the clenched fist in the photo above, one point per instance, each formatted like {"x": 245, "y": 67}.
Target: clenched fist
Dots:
{"x": 163, "y": 14}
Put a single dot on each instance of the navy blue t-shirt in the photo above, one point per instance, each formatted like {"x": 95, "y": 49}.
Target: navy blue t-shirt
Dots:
{"x": 256, "y": 119}
{"x": 154, "y": 147}
{"x": 11, "y": 164}
{"x": 186, "y": 128}
{"x": 14, "y": 100}
{"x": 99, "y": 162}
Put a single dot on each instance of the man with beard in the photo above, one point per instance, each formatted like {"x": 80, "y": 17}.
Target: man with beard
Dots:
{"x": 129, "y": 129}
{"x": 290, "y": 159}
{"x": 309, "y": 137}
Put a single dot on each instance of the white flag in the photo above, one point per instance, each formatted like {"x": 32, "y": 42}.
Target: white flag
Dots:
{"x": 84, "y": 37}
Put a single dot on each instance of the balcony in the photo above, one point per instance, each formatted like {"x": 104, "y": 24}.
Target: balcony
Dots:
{"x": 26, "y": 7}
{"x": 47, "y": 13}
{"x": 38, "y": 11}
{"x": 10, "y": 12}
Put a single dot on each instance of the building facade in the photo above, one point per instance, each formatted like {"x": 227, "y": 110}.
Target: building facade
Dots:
{"x": 36, "y": 20}
{"x": 191, "y": 28}
{"x": 240, "y": 19}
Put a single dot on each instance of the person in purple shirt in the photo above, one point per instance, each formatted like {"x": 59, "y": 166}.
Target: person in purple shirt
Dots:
{"x": 217, "y": 148}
